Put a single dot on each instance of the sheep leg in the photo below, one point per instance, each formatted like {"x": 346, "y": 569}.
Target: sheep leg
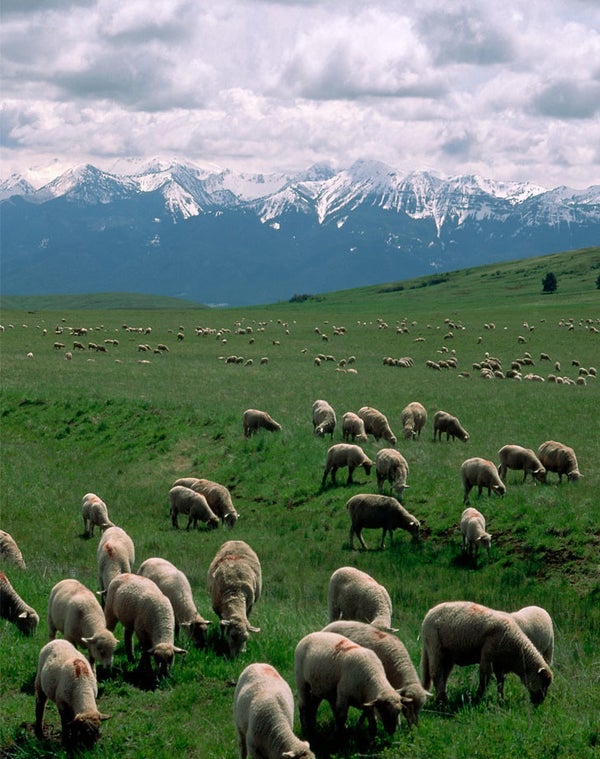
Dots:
{"x": 128, "y": 640}
{"x": 350, "y": 481}
{"x": 383, "y": 533}
{"x": 360, "y": 538}
{"x": 340, "y": 712}
{"x": 440, "y": 673}
{"x": 242, "y": 747}
{"x": 190, "y": 520}
{"x": 40, "y": 707}
{"x": 325, "y": 473}
{"x": 466, "y": 496}
{"x": 485, "y": 672}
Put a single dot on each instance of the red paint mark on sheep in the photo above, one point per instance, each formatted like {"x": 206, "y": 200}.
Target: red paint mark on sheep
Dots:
{"x": 344, "y": 645}
{"x": 80, "y": 668}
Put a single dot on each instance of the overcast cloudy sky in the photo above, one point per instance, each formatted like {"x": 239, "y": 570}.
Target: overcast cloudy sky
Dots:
{"x": 509, "y": 89}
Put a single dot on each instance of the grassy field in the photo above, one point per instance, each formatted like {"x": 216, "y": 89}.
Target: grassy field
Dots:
{"x": 106, "y": 423}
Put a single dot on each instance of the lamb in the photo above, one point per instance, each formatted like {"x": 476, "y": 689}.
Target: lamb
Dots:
{"x": 184, "y": 500}
{"x": 517, "y": 457}
{"x": 444, "y": 422}
{"x": 345, "y": 454}
{"x": 75, "y": 611}
{"x": 176, "y": 587}
{"x": 376, "y": 424}
{"x": 353, "y": 428}
{"x": 263, "y": 713}
{"x": 14, "y": 609}
{"x": 472, "y": 528}
{"x": 483, "y": 473}
{"x": 323, "y": 418}
{"x": 234, "y": 583}
{"x": 391, "y": 465}
{"x": 94, "y": 512}
{"x": 398, "y": 667}
{"x": 413, "y": 418}
{"x": 373, "y": 511}
{"x": 116, "y": 554}
{"x": 537, "y": 625}
{"x": 332, "y": 667}
{"x": 9, "y": 550}
{"x": 558, "y": 457}
{"x": 354, "y": 594}
{"x": 253, "y": 420}
{"x": 141, "y": 607}
{"x": 217, "y": 496}
{"x": 65, "y": 677}
{"x": 463, "y": 633}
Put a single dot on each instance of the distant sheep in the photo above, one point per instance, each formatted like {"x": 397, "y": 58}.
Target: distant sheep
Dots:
{"x": 371, "y": 510}
{"x": 253, "y": 420}
{"x": 9, "y": 550}
{"x": 15, "y": 610}
{"x": 94, "y": 513}
{"x": 218, "y": 498}
{"x": 413, "y": 418}
{"x": 519, "y": 458}
{"x": 472, "y": 528}
{"x": 560, "y": 458}
{"x": 323, "y": 418}
{"x": 444, "y": 422}
{"x": 353, "y": 594}
{"x": 353, "y": 428}
{"x": 115, "y": 554}
{"x": 537, "y": 625}
{"x": 376, "y": 424}
{"x": 481, "y": 473}
{"x": 184, "y": 500}
{"x": 391, "y": 466}
{"x": 342, "y": 455}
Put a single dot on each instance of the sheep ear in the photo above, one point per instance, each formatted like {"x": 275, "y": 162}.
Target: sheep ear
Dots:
{"x": 225, "y": 622}
{"x": 103, "y": 717}
{"x": 406, "y": 487}
{"x": 253, "y": 629}
{"x": 369, "y": 704}
{"x": 406, "y": 699}
{"x": 23, "y": 615}
{"x": 179, "y": 650}
{"x": 391, "y": 629}
{"x": 185, "y": 625}
{"x": 86, "y": 641}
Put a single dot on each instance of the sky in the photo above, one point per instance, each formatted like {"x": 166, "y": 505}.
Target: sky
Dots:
{"x": 508, "y": 90}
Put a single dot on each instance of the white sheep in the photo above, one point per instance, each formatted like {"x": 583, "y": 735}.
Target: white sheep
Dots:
{"x": 9, "y": 550}
{"x": 376, "y": 424}
{"x": 391, "y": 465}
{"x": 399, "y": 669}
{"x": 537, "y": 625}
{"x": 345, "y": 454}
{"x": 472, "y": 528}
{"x": 323, "y": 418}
{"x": 115, "y": 554}
{"x": 94, "y": 512}
{"x": 141, "y": 607}
{"x": 481, "y": 473}
{"x": 353, "y": 428}
{"x": 445, "y": 422}
{"x": 254, "y": 419}
{"x": 331, "y": 667}
{"x": 66, "y": 677}
{"x": 263, "y": 713}
{"x": 464, "y": 633}
{"x": 413, "y": 418}
{"x": 234, "y": 582}
{"x": 354, "y": 594}
{"x": 217, "y": 496}
{"x": 560, "y": 458}
{"x": 374, "y": 511}
{"x": 75, "y": 611}
{"x": 176, "y": 587}
{"x": 184, "y": 500}
{"x": 519, "y": 458}
{"x": 14, "y": 609}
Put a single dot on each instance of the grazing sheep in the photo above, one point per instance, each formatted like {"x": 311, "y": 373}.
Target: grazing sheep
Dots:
{"x": 353, "y": 594}
{"x": 537, "y": 625}
{"x": 444, "y": 422}
{"x": 376, "y": 424}
{"x": 65, "y": 677}
{"x": 463, "y": 633}
{"x": 75, "y": 611}
{"x": 116, "y": 554}
{"x": 483, "y": 473}
{"x": 263, "y": 713}
{"x": 176, "y": 587}
{"x": 323, "y": 418}
{"x": 9, "y": 550}
{"x": 14, "y": 609}
{"x": 391, "y": 465}
{"x": 234, "y": 583}
{"x": 353, "y": 428}
{"x": 472, "y": 528}
{"x": 558, "y": 457}
{"x": 184, "y": 500}
{"x": 94, "y": 512}
{"x": 413, "y": 418}
{"x": 253, "y": 420}
{"x": 397, "y": 664}
{"x": 332, "y": 667}
{"x": 516, "y": 457}
{"x": 373, "y": 511}
{"x": 217, "y": 496}
{"x": 345, "y": 454}
{"x": 141, "y": 607}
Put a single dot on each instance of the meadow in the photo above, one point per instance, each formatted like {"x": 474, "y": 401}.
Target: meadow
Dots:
{"x": 106, "y": 423}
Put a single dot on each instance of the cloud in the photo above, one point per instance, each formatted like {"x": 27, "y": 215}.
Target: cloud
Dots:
{"x": 568, "y": 99}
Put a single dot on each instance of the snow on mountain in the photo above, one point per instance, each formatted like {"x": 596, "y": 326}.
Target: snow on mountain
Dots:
{"x": 16, "y": 184}
{"x": 86, "y": 184}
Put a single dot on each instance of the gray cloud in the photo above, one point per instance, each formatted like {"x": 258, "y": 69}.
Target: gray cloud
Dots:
{"x": 566, "y": 99}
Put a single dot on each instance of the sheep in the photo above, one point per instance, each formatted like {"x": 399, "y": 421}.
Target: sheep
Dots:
{"x": 373, "y": 511}
{"x": 94, "y": 512}
{"x": 141, "y": 607}
{"x": 75, "y": 611}
{"x": 558, "y": 457}
{"x": 9, "y": 550}
{"x": 472, "y": 528}
{"x": 445, "y": 422}
{"x": 376, "y": 424}
{"x": 391, "y": 465}
{"x": 184, "y": 500}
{"x": 332, "y": 667}
{"x": 353, "y": 594}
{"x": 353, "y": 428}
{"x": 517, "y": 457}
{"x": 218, "y": 498}
{"x": 65, "y": 677}
{"x": 14, "y": 609}
{"x": 323, "y": 418}
{"x": 176, "y": 587}
{"x": 413, "y": 418}
{"x": 263, "y": 713}
{"x": 234, "y": 582}
{"x": 398, "y": 667}
{"x": 483, "y": 473}
{"x": 537, "y": 625}
{"x": 345, "y": 454}
{"x": 253, "y": 420}
{"x": 463, "y": 633}
{"x": 115, "y": 554}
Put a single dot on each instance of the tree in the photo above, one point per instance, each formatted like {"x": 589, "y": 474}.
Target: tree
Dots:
{"x": 549, "y": 283}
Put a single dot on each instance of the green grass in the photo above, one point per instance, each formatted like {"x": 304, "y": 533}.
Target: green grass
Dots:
{"x": 105, "y": 423}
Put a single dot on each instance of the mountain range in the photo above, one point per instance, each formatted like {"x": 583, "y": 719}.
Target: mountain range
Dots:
{"x": 219, "y": 237}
